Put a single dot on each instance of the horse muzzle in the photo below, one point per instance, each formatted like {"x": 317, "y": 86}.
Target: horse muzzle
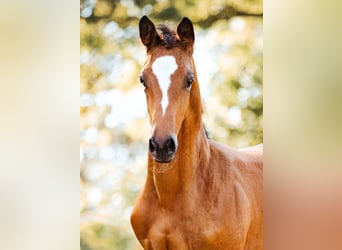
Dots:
{"x": 163, "y": 151}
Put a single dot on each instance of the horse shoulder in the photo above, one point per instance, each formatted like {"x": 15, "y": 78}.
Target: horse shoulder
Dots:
{"x": 242, "y": 166}
{"x": 251, "y": 168}
{"x": 243, "y": 172}
{"x": 143, "y": 214}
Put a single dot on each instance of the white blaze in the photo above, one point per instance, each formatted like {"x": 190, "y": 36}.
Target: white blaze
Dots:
{"x": 163, "y": 67}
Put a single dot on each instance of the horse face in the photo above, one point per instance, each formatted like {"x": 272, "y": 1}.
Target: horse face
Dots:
{"x": 167, "y": 76}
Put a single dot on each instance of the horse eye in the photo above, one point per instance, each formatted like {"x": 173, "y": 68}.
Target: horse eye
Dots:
{"x": 189, "y": 82}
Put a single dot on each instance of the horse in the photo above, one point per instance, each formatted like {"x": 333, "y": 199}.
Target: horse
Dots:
{"x": 198, "y": 194}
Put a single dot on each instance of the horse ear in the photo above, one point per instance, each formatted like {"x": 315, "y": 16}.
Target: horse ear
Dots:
{"x": 185, "y": 31}
{"x": 148, "y": 34}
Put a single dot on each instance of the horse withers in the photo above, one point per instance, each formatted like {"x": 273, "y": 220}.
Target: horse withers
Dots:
{"x": 198, "y": 194}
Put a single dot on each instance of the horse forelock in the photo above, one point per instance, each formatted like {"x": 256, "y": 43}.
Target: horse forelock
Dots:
{"x": 168, "y": 37}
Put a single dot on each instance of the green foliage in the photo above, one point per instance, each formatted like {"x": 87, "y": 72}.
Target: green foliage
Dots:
{"x": 104, "y": 237}
{"x": 114, "y": 123}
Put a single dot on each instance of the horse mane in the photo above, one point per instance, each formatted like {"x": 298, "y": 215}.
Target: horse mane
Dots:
{"x": 168, "y": 37}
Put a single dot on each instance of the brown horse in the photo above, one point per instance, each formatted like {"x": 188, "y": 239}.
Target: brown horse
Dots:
{"x": 198, "y": 194}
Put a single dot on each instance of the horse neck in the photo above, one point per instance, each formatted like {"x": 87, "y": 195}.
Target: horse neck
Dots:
{"x": 178, "y": 177}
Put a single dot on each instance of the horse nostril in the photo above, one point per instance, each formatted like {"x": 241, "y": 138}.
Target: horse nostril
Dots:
{"x": 170, "y": 146}
{"x": 153, "y": 145}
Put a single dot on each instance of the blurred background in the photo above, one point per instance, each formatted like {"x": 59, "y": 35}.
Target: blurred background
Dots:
{"x": 113, "y": 116}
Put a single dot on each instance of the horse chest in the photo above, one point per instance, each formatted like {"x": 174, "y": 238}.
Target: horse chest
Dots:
{"x": 173, "y": 231}
{"x": 194, "y": 225}
{"x": 163, "y": 232}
